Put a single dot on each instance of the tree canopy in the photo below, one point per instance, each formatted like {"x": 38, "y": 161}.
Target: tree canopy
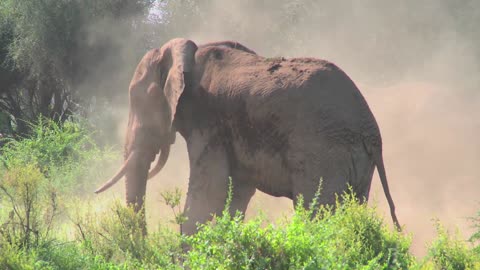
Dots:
{"x": 49, "y": 48}
{"x": 58, "y": 57}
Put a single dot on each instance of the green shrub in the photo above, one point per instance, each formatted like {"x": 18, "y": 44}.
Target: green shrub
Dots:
{"x": 475, "y": 238}
{"x": 49, "y": 144}
{"x": 116, "y": 235}
{"x": 65, "y": 153}
{"x": 13, "y": 258}
{"x": 36, "y": 174}
{"x": 57, "y": 256}
{"x": 449, "y": 252}
{"x": 32, "y": 204}
{"x": 351, "y": 237}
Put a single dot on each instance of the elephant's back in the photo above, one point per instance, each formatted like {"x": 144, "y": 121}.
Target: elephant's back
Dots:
{"x": 309, "y": 96}
{"x": 313, "y": 96}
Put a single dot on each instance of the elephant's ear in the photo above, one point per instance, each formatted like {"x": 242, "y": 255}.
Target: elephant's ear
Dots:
{"x": 182, "y": 60}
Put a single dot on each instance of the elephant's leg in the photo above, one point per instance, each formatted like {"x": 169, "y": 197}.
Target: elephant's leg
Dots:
{"x": 337, "y": 173}
{"x": 361, "y": 172}
{"x": 243, "y": 191}
{"x": 337, "y": 165}
{"x": 330, "y": 169}
{"x": 332, "y": 186}
{"x": 362, "y": 190}
{"x": 207, "y": 190}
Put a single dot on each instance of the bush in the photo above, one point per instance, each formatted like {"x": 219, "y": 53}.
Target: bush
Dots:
{"x": 65, "y": 153}
{"x": 352, "y": 237}
{"x": 116, "y": 235}
{"x": 449, "y": 252}
{"x": 33, "y": 206}
{"x": 36, "y": 173}
{"x": 475, "y": 238}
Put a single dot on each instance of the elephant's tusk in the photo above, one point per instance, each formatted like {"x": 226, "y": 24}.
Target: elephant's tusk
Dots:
{"x": 162, "y": 160}
{"x": 118, "y": 175}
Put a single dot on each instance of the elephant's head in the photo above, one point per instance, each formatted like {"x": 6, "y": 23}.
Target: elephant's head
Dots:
{"x": 155, "y": 89}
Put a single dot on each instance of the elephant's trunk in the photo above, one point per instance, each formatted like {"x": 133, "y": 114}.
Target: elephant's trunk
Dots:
{"x": 136, "y": 178}
{"x": 136, "y": 184}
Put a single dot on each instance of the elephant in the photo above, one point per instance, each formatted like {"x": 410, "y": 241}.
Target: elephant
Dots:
{"x": 273, "y": 124}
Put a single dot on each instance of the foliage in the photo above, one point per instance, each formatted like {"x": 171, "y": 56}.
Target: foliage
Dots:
{"x": 352, "y": 237}
{"x": 450, "y": 252}
{"x": 116, "y": 236}
{"x": 51, "y": 36}
{"x": 55, "y": 53}
{"x": 475, "y": 238}
{"x": 172, "y": 199}
{"x": 33, "y": 206}
{"x": 61, "y": 151}
{"x": 37, "y": 173}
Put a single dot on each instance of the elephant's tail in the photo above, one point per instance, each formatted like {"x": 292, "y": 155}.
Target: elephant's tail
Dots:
{"x": 378, "y": 159}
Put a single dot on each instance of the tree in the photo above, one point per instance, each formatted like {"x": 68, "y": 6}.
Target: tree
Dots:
{"x": 50, "y": 50}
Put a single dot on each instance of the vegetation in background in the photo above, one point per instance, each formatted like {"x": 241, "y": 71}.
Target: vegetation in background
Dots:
{"x": 65, "y": 153}
{"x": 449, "y": 252}
{"x": 60, "y": 57}
{"x": 57, "y": 55}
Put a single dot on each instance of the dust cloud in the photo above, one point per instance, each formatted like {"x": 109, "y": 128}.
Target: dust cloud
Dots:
{"x": 417, "y": 65}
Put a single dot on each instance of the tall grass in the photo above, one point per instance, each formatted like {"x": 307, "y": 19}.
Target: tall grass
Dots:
{"x": 47, "y": 223}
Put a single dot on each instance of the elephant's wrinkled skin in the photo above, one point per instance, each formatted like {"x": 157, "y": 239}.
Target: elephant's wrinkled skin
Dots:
{"x": 277, "y": 125}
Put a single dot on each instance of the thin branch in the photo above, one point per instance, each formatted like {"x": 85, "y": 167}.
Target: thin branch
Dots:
{"x": 13, "y": 203}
